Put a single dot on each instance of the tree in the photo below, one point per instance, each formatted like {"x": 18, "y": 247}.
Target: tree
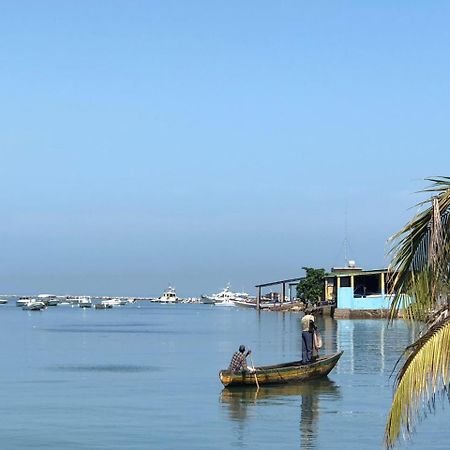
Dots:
{"x": 311, "y": 288}
{"x": 420, "y": 281}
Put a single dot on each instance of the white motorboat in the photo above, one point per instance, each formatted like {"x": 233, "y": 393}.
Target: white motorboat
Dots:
{"x": 169, "y": 296}
{"x": 22, "y": 301}
{"x": 225, "y": 297}
{"x": 84, "y": 302}
{"x": 3, "y": 301}
{"x": 34, "y": 305}
{"x": 111, "y": 302}
{"x": 48, "y": 299}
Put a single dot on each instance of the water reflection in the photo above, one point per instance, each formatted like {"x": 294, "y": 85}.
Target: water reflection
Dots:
{"x": 238, "y": 400}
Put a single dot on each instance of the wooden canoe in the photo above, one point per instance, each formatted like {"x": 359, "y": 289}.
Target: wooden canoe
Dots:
{"x": 290, "y": 372}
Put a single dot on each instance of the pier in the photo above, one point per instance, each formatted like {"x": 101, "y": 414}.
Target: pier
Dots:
{"x": 283, "y": 283}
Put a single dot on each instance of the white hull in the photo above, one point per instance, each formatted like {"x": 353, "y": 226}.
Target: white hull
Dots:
{"x": 225, "y": 303}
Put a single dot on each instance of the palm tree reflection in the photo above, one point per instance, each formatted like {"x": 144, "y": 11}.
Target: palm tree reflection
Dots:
{"x": 238, "y": 400}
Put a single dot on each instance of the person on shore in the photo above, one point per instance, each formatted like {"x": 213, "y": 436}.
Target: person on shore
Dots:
{"x": 239, "y": 361}
{"x": 308, "y": 328}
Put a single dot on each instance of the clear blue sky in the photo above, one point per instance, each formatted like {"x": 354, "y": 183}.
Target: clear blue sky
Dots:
{"x": 203, "y": 142}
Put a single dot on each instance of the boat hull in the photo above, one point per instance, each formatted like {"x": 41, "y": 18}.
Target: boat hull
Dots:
{"x": 292, "y": 372}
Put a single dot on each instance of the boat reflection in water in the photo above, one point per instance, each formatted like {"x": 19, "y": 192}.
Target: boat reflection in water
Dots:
{"x": 239, "y": 399}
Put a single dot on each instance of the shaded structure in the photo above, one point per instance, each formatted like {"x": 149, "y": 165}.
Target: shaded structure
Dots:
{"x": 282, "y": 283}
{"x": 356, "y": 291}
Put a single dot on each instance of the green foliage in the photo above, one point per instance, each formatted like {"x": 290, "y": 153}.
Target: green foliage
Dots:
{"x": 421, "y": 284}
{"x": 311, "y": 288}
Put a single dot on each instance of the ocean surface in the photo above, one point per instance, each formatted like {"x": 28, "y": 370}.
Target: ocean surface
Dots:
{"x": 145, "y": 376}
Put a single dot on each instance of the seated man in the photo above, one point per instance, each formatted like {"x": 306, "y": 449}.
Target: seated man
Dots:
{"x": 239, "y": 362}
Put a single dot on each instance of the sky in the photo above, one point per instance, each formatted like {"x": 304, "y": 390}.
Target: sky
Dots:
{"x": 200, "y": 143}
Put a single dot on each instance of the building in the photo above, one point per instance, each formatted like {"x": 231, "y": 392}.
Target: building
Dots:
{"x": 357, "y": 291}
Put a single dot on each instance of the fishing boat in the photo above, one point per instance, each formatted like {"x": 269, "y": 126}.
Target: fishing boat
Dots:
{"x": 290, "y": 372}
{"x": 169, "y": 296}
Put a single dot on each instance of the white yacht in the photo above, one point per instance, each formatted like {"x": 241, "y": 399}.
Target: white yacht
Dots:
{"x": 225, "y": 297}
{"x": 169, "y": 296}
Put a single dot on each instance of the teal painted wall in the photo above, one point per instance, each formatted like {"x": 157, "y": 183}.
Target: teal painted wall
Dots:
{"x": 346, "y": 300}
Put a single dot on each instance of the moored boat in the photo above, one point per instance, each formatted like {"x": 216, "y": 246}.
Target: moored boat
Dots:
{"x": 34, "y": 305}
{"x": 85, "y": 302}
{"x": 169, "y": 296}
{"x": 103, "y": 305}
{"x": 290, "y": 372}
{"x": 22, "y": 301}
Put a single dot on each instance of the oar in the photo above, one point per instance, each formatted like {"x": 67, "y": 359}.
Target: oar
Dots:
{"x": 256, "y": 378}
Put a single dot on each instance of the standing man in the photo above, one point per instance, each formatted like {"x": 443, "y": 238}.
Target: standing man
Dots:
{"x": 308, "y": 327}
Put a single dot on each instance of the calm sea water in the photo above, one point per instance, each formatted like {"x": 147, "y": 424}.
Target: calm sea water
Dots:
{"x": 145, "y": 376}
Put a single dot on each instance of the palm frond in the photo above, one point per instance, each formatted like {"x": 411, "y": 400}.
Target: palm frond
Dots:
{"x": 422, "y": 244}
{"x": 422, "y": 378}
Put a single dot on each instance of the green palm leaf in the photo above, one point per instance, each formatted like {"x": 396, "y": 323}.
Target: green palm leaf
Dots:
{"x": 422, "y": 378}
{"x": 419, "y": 278}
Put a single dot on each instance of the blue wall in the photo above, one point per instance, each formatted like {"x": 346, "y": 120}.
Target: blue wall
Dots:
{"x": 346, "y": 300}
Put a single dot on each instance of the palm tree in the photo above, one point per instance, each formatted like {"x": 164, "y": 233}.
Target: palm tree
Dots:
{"x": 419, "y": 277}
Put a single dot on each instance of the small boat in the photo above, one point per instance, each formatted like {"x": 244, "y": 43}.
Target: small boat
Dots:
{"x": 3, "y": 301}
{"x": 84, "y": 302}
{"x": 103, "y": 305}
{"x": 290, "y": 372}
{"x": 111, "y": 302}
{"x": 34, "y": 305}
{"x": 22, "y": 301}
{"x": 48, "y": 299}
{"x": 205, "y": 299}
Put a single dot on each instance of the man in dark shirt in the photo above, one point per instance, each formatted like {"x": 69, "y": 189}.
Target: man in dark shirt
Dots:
{"x": 239, "y": 362}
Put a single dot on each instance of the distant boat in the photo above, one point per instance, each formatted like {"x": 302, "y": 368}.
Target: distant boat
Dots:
{"x": 207, "y": 300}
{"x": 169, "y": 296}
{"x": 103, "y": 305}
{"x": 290, "y": 372}
{"x": 85, "y": 302}
{"x": 227, "y": 298}
{"x": 22, "y": 301}
{"x": 49, "y": 300}
{"x": 34, "y": 305}
{"x": 111, "y": 302}
{"x": 3, "y": 301}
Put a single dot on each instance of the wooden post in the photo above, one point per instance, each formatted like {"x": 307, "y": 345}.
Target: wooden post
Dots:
{"x": 258, "y": 298}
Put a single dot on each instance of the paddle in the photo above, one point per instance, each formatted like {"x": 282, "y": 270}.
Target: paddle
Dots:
{"x": 256, "y": 378}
